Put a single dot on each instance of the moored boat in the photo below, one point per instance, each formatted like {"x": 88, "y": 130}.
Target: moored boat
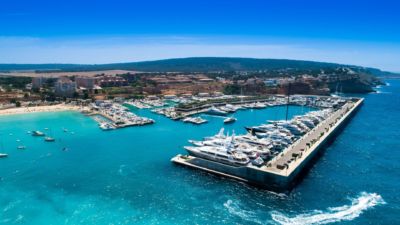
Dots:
{"x": 230, "y": 120}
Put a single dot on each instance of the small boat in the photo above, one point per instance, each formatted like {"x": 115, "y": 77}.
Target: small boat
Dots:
{"x": 216, "y": 111}
{"x": 230, "y": 120}
{"x": 195, "y": 120}
{"x": 65, "y": 130}
{"x": 106, "y": 126}
{"x": 3, "y": 155}
{"x": 37, "y": 133}
{"x": 49, "y": 139}
{"x": 21, "y": 147}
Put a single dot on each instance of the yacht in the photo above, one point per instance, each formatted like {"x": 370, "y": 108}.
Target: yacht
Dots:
{"x": 233, "y": 107}
{"x": 49, "y": 139}
{"x": 37, "y": 133}
{"x": 220, "y": 134}
{"x": 259, "y": 105}
{"x": 106, "y": 126}
{"x": 215, "y": 111}
{"x": 230, "y": 120}
{"x": 195, "y": 120}
{"x": 3, "y": 155}
{"x": 221, "y": 155}
{"x": 226, "y": 109}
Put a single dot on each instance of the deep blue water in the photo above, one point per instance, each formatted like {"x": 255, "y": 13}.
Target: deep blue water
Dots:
{"x": 126, "y": 177}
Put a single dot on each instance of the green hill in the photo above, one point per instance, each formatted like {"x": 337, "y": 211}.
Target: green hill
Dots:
{"x": 196, "y": 64}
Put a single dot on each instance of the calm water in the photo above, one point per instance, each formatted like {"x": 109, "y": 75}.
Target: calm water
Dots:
{"x": 125, "y": 176}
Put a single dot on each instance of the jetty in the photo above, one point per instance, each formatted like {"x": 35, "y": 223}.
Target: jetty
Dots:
{"x": 284, "y": 170}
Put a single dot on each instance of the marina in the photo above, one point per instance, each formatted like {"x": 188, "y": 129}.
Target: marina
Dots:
{"x": 273, "y": 155}
{"x": 115, "y": 116}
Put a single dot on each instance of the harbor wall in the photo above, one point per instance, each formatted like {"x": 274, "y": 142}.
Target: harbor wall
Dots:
{"x": 305, "y": 166}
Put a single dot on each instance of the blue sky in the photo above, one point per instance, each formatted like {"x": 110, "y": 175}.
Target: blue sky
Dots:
{"x": 354, "y": 32}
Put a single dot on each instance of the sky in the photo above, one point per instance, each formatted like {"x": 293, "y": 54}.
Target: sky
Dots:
{"x": 365, "y": 33}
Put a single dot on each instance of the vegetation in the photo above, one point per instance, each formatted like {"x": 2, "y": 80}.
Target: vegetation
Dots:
{"x": 232, "y": 89}
{"x": 200, "y": 64}
{"x": 15, "y": 82}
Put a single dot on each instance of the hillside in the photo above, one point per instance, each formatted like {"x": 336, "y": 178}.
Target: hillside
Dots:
{"x": 197, "y": 64}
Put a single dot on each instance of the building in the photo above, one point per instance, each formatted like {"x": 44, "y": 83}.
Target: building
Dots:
{"x": 65, "y": 87}
{"x": 38, "y": 82}
{"x": 86, "y": 82}
{"x": 112, "y": 81}
{"x": 271, "y": 82}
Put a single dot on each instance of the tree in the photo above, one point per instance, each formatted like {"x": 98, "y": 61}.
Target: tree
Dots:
{"x": 85, "y": 95}
{"x": 232, "y": 89}
{"x": 18, "y": 104}
{"x": 75, "y": 95}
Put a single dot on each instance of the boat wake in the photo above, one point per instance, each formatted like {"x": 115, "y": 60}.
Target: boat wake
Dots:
{"x": 347, "y": 212}
{"x": 235, "y": 209}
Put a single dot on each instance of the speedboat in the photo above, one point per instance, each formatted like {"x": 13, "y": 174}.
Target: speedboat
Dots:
{"x": 3, "y": 155}
{"x": 230, "y": 120}
{"x": 37, "y": 133}
{"x": 106, "y": 126}
{"x": 21, "y": 147}
{"x": 49, "y": 139}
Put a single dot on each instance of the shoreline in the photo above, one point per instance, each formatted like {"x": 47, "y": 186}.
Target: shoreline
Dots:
{"x": 36, "y": 109}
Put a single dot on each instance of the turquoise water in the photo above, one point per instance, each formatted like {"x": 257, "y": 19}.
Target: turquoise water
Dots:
{"x": 126, "y": 177}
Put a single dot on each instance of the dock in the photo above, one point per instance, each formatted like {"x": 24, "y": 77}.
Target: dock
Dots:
{"x": 281, "y": 172}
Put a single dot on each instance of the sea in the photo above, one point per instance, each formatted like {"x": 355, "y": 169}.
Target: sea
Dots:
{"x": 124, "y": 176}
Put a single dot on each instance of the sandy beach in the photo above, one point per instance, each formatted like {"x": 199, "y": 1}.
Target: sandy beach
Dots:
{"x": 33, "y": 109}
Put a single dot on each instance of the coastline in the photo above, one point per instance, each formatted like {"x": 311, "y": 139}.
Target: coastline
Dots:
{"x": 35, "y": 109}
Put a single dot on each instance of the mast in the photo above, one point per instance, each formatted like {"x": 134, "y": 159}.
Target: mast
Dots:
{"x": 288, "y": 101}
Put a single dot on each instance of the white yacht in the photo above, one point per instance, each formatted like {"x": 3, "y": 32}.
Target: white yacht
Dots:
{"x": 3, "y": 155}
{"x": 215, "y": 111}
{"x": 230, "y": 120}
{"x": 195, "y": 120}
{"x": 221, "y": 155}
{"x": 106, "y": 126}
{"x": 37, "y": 133}
{"x": 259, "y": 105}
{"x": 49, "y": 139}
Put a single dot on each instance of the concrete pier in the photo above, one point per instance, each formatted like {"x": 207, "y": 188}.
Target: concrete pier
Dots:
{"x": 281, "y": 173}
